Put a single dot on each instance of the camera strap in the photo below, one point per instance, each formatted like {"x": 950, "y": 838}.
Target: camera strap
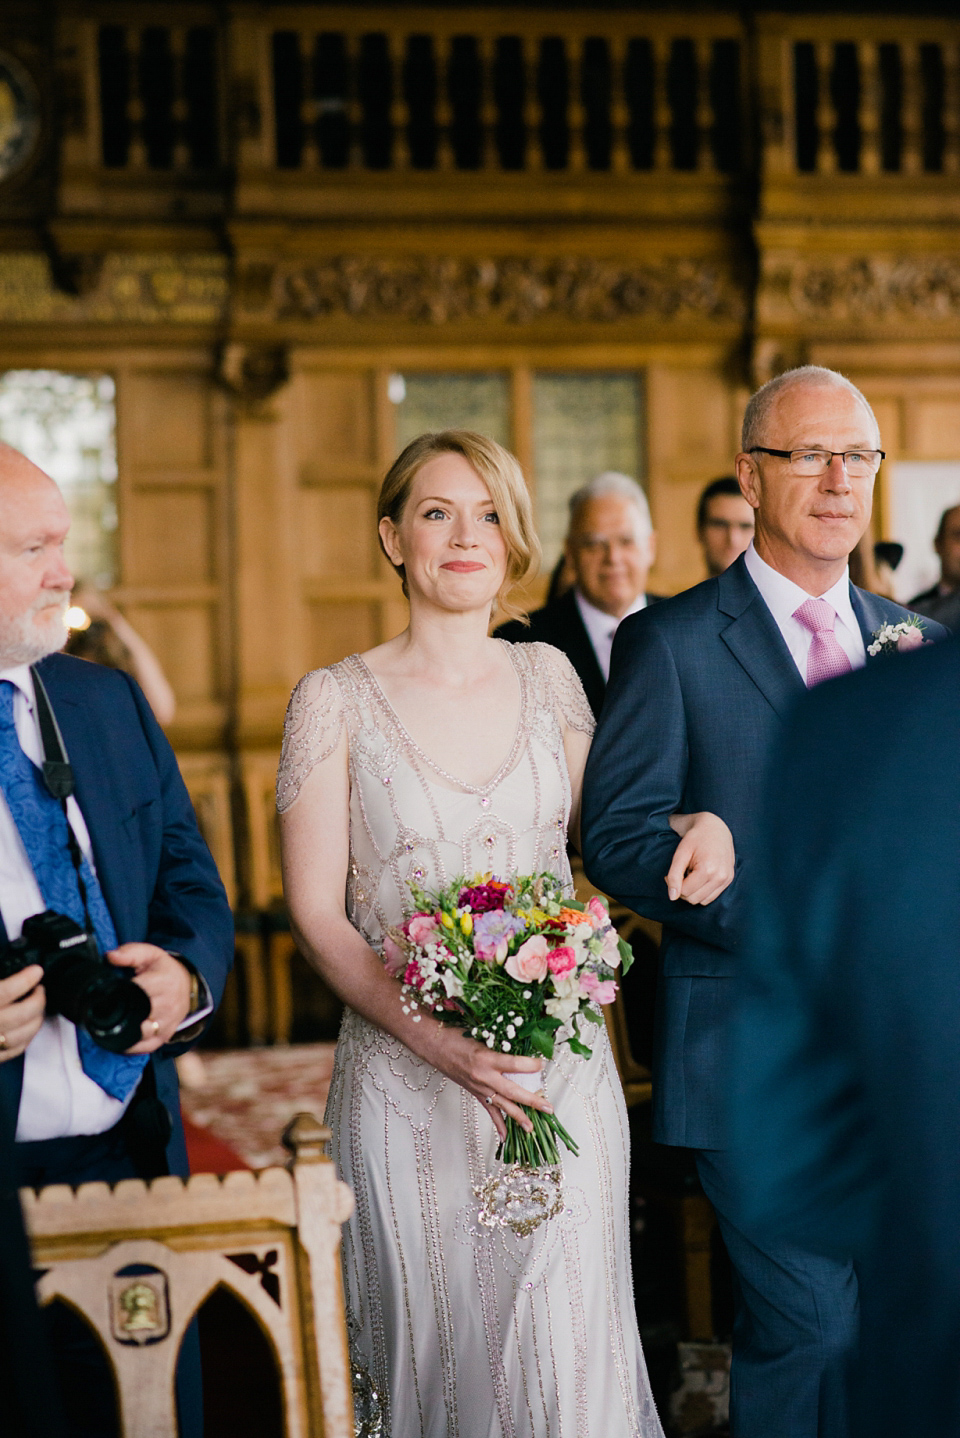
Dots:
{"x": 57, "y": 773}
{"x": 58, "y": 777}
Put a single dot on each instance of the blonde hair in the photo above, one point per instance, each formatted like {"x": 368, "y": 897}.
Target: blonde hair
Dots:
{"x": 503, "y": 477}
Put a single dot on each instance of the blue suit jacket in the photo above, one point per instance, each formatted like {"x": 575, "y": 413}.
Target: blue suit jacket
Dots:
{"x": 158, "y": 878}
{"x": 846, "y": 1112}
{"x": 699, "y": 688}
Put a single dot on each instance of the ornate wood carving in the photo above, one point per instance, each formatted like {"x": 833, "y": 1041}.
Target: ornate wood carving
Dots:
{"x": 891, "y": 289}
{"x": 127, "y": 288}
{"x": 514, "y": 289}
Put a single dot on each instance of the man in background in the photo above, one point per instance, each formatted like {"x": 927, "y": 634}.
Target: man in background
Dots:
{"x": 725, "y": 524}
{"x": 121, "y": 856}
{"x": 846, "y": 1094}
{"x": 610, "y": 547}
{"x": 942, "y": 601}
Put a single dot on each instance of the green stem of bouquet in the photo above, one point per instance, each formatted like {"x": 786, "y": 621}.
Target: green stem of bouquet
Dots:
{"x": 538, "y": 1148}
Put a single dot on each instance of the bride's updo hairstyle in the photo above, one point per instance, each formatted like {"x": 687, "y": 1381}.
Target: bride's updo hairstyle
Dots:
{"x": 503, "y": 477}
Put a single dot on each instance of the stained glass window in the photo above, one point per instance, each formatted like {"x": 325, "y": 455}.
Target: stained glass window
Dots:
{"x": 66, "y": 424}
{"x": 451, "y": 401}
{"x": 583, "y": 424}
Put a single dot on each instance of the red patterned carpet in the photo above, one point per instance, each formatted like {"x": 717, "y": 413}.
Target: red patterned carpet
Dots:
{"x": 236, "y": 1104}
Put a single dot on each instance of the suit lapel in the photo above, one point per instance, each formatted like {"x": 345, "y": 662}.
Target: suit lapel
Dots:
{"x": 870, "y": 614}
{"x": 581, "y": 652}
{"x": 755, "y": 641}
{"x": 101, "y": 807}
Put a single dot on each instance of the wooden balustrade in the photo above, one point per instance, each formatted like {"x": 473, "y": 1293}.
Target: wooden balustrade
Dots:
{"x": 876, "y": 105}
{"x": 157, "y": 90}
{"x": 368, "y": 90}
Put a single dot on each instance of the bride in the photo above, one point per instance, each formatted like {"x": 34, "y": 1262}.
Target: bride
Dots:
{"x": 445, "y": 752}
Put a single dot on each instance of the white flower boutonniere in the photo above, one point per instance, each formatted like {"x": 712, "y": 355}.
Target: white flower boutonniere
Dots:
{"x": 897, "y": 638}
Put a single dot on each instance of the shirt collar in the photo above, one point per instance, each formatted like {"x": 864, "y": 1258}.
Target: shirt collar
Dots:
{"x": 20, "y": 677}
{"x": 783, "y": 598}
{"x": 597, "y": 621}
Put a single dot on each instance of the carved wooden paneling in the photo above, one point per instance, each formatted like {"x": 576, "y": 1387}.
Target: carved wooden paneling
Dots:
{"x": 169, "y": 536}
{"x": 335, "y": 426}
{"x": 337, "y": 532}
{"x": 933, "y": 426}
{"x": 207, "y": 777}
{"x": 185, "y": 636}
{"x": 342, "y": 627}
{"x": 693, "y": 421}
{"x": 168, "y": 421}
{"x": 174, "y": 530}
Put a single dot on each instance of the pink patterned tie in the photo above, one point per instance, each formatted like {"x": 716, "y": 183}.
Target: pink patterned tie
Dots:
{"x": 826, "y": 658}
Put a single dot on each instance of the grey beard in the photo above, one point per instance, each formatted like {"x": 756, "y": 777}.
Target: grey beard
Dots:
{"x": 20, "y": 643}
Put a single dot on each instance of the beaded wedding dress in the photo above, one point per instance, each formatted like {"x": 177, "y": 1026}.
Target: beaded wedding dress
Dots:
{"x": 469, "y": 1331}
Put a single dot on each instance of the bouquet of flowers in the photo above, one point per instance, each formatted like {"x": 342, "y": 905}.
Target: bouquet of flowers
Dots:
{"x": 520, "y": 968}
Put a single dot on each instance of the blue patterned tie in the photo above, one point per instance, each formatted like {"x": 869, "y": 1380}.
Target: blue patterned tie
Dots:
{"x": 43, "y": 828}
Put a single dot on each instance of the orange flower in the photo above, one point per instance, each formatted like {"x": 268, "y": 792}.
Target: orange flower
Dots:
{"x": 572, "y": 918}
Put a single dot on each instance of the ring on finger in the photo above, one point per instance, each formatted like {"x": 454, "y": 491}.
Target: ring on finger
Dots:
{"x": 3, "y": 1045}
{"x": 489, "y": 1098}
{"x": 156, "y": 1028}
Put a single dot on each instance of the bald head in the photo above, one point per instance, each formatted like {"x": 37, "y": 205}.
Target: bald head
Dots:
{"x": 35, "y": 582}
{"x": 779, "y": 392}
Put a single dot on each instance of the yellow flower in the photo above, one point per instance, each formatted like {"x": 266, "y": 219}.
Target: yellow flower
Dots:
{"x": 446, "y": 920}
{"x": 466, "y": 923}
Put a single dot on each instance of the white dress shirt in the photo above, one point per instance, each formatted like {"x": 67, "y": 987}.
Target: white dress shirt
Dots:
{"x": 602, "y": 627}
{"x": 58, "y": 1098}
{"x": 782, "y": 597}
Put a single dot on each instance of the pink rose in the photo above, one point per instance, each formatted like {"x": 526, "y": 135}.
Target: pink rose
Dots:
{"x": 561, "y": 960}
{"x": 602, "y": 991}
{"x": 529, "y": 964}
{"x": 421, "y": 928}
{"x": 610, "y": 953}
{"x": 394, "y": 958}
{"x": 911, "y": 638}
{"x": 597, "y": 910}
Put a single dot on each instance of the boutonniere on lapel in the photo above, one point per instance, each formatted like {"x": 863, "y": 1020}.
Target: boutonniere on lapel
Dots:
{"x": 897, "y": 638}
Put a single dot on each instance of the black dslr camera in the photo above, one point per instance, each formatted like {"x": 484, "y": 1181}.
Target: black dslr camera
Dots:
{"x": 79, "y": 981}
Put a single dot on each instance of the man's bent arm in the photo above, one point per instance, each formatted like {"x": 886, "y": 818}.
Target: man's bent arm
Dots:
{"x": 188, "y": 912}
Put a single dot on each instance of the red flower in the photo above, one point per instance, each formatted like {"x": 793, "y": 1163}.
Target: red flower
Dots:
{"x": 485, "y": 897}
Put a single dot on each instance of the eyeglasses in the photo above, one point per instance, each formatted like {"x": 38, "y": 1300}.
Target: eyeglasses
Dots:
{"x": 810, "y": 463}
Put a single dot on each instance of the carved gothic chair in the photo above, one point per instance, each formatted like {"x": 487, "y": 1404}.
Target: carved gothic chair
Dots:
{"x": 136, "y": 1261}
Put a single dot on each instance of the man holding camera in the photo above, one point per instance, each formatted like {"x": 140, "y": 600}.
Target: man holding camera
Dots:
{"x": 95, "y": 826}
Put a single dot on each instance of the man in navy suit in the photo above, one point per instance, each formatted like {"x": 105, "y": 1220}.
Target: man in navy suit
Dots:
{"x": 699, "y": 688}
{"x": 846, "y": 1117}
{"x": 149, "y": 884}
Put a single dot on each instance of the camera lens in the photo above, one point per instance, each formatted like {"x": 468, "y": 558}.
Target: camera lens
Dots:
{"x": 114, "y": 1009}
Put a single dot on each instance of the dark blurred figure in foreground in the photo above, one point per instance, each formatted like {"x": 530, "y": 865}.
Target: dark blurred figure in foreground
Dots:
{"x": 609, "y": 549}
{"x": 725, "y": 524}
{"x": 942, "y": 602}
{"x": 846, "y": 1101}
{"x": 30, "y": 1408}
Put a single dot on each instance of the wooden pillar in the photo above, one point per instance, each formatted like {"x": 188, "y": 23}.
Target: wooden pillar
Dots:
{"x": 266, "y": 568}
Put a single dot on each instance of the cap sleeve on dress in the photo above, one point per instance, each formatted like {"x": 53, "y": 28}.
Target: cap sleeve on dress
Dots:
{"x": 311, "y": 731}
{"x": 567, "y": 689}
